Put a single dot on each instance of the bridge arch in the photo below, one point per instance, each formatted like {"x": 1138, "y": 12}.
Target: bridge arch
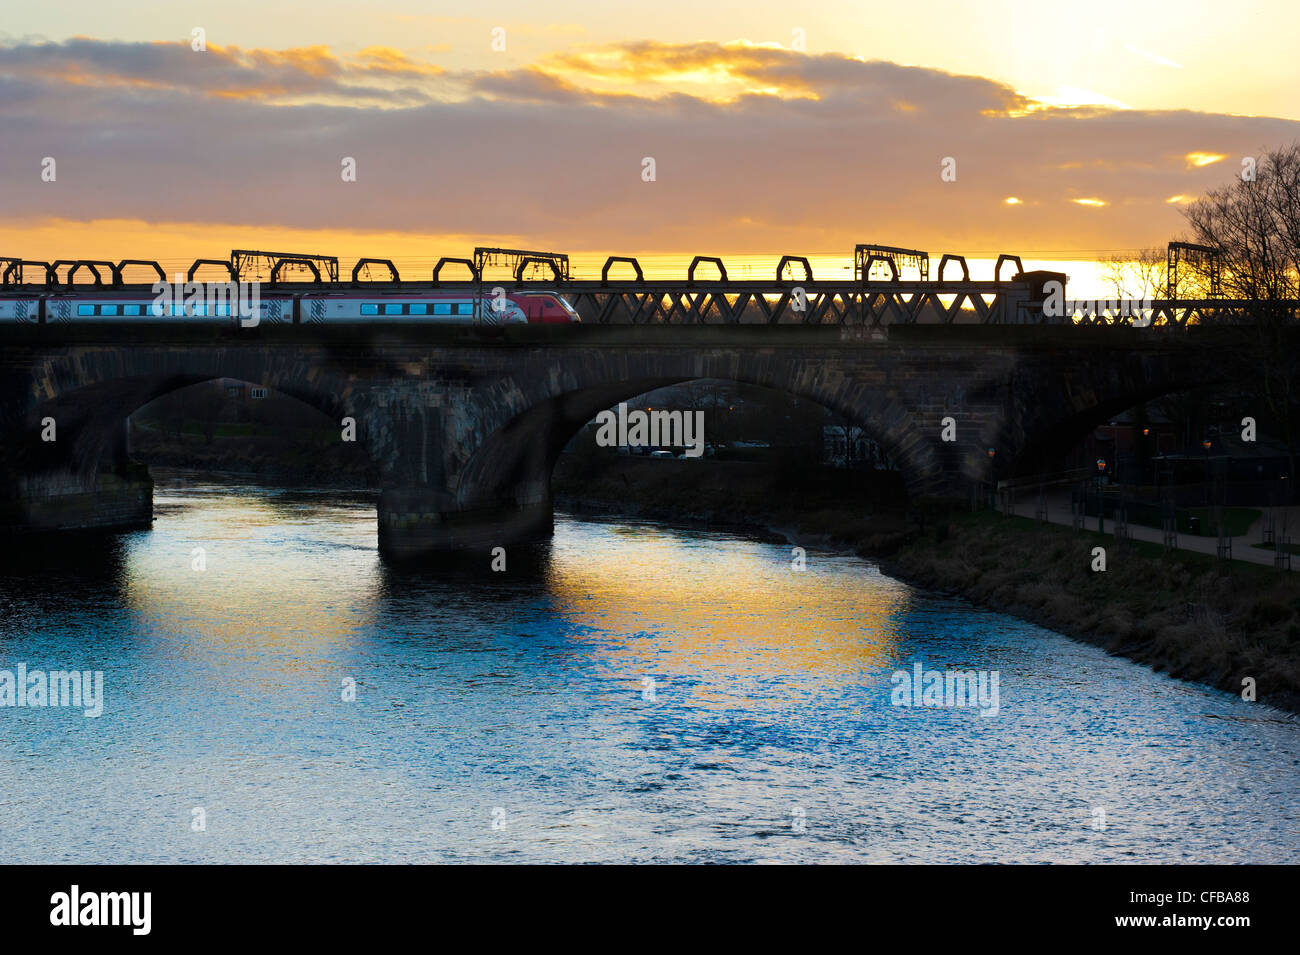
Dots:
{"x": 89, "y": 395}
{"x": 1071, "y": 398}
{"x": 514, "y": 459}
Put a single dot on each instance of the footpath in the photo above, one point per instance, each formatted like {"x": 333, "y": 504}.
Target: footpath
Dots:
{"x": 1058, "y": 512}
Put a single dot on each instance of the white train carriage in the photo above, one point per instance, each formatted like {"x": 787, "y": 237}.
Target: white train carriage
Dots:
{"x": 20, "y": 309}
{"x": 327, "y": 307}
{"x": 102, "y": 306}
{"x": 114, "y": 309}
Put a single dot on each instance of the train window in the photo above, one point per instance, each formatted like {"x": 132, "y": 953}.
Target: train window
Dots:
{"x": 442, "y": 308}
{"x": 419, "y": 308}
{"x": 392, "y": 309}
{"x": 130, "y": 309}
{"x": 464, "y": 308}
{"x": 85, "y": 310}
{"x": 223, "y": 308}
{"x": 369, "y": 309}
{"x": 108, "y": 310}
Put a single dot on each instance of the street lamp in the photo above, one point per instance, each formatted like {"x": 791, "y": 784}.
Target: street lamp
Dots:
{"x": 1144, "y": 458}
{"x": 1101, "y": 504}
{"x": 1206, "y": 445}
{"x": 992, "y": 488}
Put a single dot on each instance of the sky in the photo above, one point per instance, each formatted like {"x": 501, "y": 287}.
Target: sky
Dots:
{"x": 1053, "y": 130}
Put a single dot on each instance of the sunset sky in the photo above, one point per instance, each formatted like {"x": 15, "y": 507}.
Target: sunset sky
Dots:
{"x": 1077, "y": 129}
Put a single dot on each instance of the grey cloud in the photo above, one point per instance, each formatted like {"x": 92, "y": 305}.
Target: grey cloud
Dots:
{"x": 528, "y": 153}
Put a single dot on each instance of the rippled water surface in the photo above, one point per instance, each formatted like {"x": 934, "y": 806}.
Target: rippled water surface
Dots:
{"x": 632, "y": 692}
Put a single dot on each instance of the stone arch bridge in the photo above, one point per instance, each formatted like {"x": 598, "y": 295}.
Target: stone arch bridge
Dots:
{"x": 464, "y": 425}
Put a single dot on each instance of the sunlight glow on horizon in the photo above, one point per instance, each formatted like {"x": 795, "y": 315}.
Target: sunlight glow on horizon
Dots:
{"x": 176, "y": 245}
{"x": 394, "y": 85}
{"x": 1124, "y": 51}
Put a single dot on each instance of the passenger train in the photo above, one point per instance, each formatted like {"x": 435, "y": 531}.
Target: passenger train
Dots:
{"x": 90, "y": 304}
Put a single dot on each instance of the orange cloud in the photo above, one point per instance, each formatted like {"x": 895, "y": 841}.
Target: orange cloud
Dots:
{"x": 379, "y": 75}
{"x": 384, "y": 59}
{"x": 717, "y": 72}
{"x": 550, "y": 155}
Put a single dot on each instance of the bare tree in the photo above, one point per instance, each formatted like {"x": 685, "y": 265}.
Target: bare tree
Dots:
{"x": 1254, "y": 222}
{"x": 208, "y": 403}
{"x": 704, "y": 394}
{"x": 1141, "y": 276}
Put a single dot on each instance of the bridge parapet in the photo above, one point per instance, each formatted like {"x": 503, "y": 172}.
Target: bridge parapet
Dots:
{"x": 1180, "y": 313}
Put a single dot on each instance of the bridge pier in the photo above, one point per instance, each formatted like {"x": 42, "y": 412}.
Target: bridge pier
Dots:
{"x": 460, "y": 471}
{"x": 69, "y": 501}
{"x": 416, "y": 523}
{"x": 82, "y": 479}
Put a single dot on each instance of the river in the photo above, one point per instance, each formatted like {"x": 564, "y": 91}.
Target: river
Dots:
{"x": 631, "y": 692}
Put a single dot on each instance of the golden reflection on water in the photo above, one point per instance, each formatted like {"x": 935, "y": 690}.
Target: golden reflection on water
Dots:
{"x": 263, "y": 602}
{"x": 661, "y": 603}
{"x": 279, "y": 605}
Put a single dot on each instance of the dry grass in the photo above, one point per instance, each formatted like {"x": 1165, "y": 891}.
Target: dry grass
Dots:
{"x": 1184, "y": 614}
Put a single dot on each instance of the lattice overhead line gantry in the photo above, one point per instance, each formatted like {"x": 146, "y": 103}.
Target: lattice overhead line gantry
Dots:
{"x": 256, "y": 266}
{"x": 1201, "y": 260}
{"x": 519, "y": 261}
{"x": 897, "y": 259}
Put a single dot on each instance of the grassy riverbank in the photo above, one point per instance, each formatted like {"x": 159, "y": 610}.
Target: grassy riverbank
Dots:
{"x": 1186, "y": 614}
{"x": 311, "y": 454}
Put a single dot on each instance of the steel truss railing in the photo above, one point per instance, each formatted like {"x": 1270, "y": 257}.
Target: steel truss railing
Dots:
{"x": 812, "y": 303}
{"x": 1180, "y": 313}
{"x": 788, "y": 298}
